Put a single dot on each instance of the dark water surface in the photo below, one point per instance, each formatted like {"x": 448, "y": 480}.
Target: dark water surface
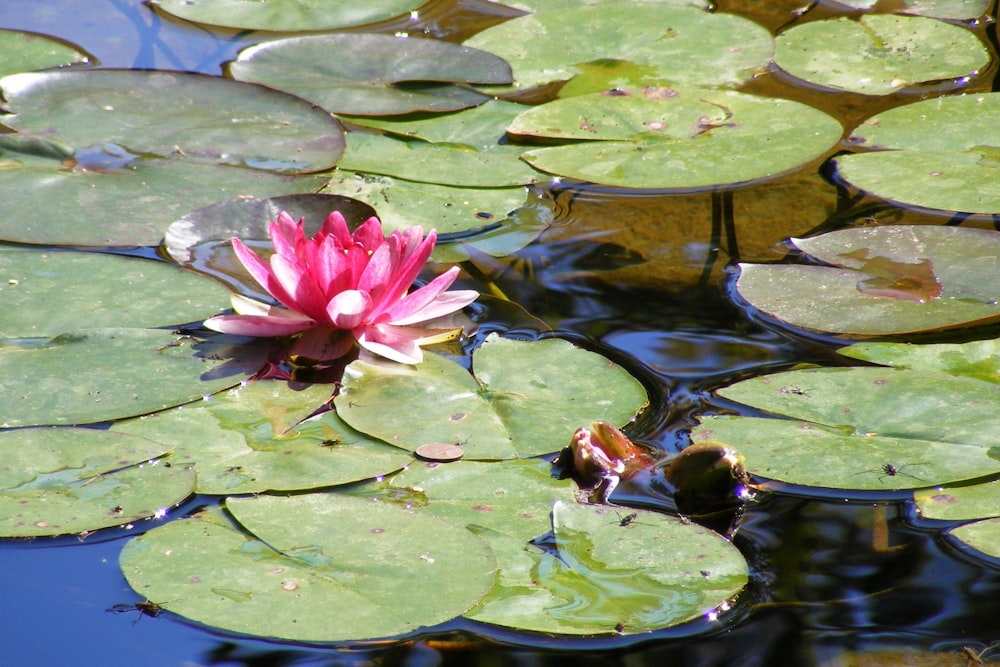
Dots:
{"x": 822, "y": 585}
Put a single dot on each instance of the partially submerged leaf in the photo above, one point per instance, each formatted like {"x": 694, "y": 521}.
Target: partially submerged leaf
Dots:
{"x": 894, "y": 280}
{"x": 286, "y": 15}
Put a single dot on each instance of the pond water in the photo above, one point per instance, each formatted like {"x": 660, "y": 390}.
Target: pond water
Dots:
{"x": 642, "y": 277}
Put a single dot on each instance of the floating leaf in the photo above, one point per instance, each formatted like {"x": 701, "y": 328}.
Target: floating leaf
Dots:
{"x": 43, "y": 294}
{"x": 372, "y": 74}
{"x": 939, "y": 154}
{"x": 527, "y": 398}
{"x": 286, "y": 15}
{"x": 251, "y": 439}
{"x": 942, "y": 9}
{"x": 547, "y": 5}
{"x": 863, "y": 428}
{"x": 96, "y": 375}
{"x": 666, "y": 137}
{"x": 685, "y": 44}
{"x": 984, "y": 536}
{"x": 57, "y": 481}
{"x": 978, "y": 359}
{"x": 959, "y": 503}
{"x": 129, "y": 206}
{"x": 26, "y": 51}
{"x": 175, "y": 115}
{"x": 894, "y": 280}
{"x": 327, "y": 568}
{"x": 879, "y": 54}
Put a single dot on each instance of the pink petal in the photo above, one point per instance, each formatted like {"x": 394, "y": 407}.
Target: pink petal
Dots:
{"x": 259, "y": 326}
{"x": 369, "y": 235}
{"x": 380, "y": 270}
{"x": 283, "y": 232}
{"x": 407, "y": 270}
{"x": 428, "y": 302}
{"x": 395, "y": 344}
{"x": 336, "y": 226}
{"x": 443, "y": 304}
{"x": 347, "y": 309}
{"x": 261, "y": 272}
{"x": 295, "y": 280}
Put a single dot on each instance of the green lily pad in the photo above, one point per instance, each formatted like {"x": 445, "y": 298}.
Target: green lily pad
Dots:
{"x": 372, "y": 74}
{"x": 665, "y": 137}
{"x": 57, "y": 481}
{"x": 959, "y": 503}
{"x": 326, "y": 568}
{"x": 526, "y": 399}
{"x": 26, "y": 51}
{"x": 878, "y": 54}
{"x": 95, "y": 375}
{"x": 603, "y": 577}
{"x": 863, "y": 428}
{"x": 685, "y": 44}
{"x": 942, "y": 9}
{"x": 285, "y": 15}
{"x": 444, "y": 164}
{"x": 938, "y": 154}
{"x": 175, "y": 115}
{"x": 43, "y": 294}
{"x": 983, "y": 536}
{"x": 252, "y": 439}
{"x": 979, "y": 359}
{"x": 125, "y": 206}
{"x": 894, "y": 280}
{"x": 547, "y": 5}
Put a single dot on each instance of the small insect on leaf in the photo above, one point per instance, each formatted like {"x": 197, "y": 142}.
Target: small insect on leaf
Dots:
{"x": 144, "y": 608}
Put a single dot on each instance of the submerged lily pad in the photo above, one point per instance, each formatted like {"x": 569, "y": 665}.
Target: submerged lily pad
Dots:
{"x": 684, "y": 44}
{"x": 57, "y": 481}
{"x": 26, "y": 51}
{"x": 894, "y": 280}
{"x": 941, "y": 154}
{"x": 863, "y": 428}
{"x": 286, "y": 15}
{"x": 665, "y": 137}
{"x": 96, "y": 375}
{"x": 372, "y": 74}
{"x": 44, "y": 294}
{"x": 326, "y": 568}
{"x": 878, "y": 54}
{"x": 252, "y": 439}
{"x": 526, "y": 399}
{"x": 175, "y": 115}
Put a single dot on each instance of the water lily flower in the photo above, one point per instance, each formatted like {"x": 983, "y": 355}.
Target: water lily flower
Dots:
{"x": 336, "y": 288}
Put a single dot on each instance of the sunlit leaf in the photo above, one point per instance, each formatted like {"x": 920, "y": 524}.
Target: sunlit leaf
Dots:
{"x": 884, "y": 280}
{"x": 979, "y": 359}
{"x": 25, "y": 51}
{"x": 938, "y": 154}
{"x": 878, "y": 54}
{"x": 326, "y": 568}
{"x": 95, "y": 375}
{"x": 372, "y": 74}
{"x": 250, "y": 439}
{"x": 44, "y": 294}
{"x": 56, "y": 481}
{"x": 665, "y": 137}
{"x": 286, "y": 15}
{"x": 175, "y": 115}
{"x": 942, "y": 9}
{"x": 863, "y": 428}
{"x": 527, "y": 398}
{"x": 983, "y": 536}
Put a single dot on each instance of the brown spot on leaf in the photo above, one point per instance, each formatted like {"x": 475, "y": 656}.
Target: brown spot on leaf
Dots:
{"x": 890, "y": 279}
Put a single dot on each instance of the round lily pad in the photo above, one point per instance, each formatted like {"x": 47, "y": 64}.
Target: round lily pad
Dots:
{"x": 372, "y": 74}
{"x": 942, "y": 9}
{"x": 251, "y": 439}
{"x": 884, "y": 280}
{"x": 43, "y": 294}
{"x": 938, "y": 154}
{"x": 863, "y": 428}
{"x": 175, "y": 115}
{"x": 286, "y": 15}
{"x": 681, "y": 44}
{"x": 983, "y": 536}
{"x": 96, "y": 375}
{"x": 322, "y": 568}
{"x": 26, "y": 51}
{"x": 878, "y": 54}
{"x": 666, "y": 137}
{"x": 527, "y": 398}
{"x": 57, "y": 481}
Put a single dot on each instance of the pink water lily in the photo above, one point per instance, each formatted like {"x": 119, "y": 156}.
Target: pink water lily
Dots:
{"x": 336, "y": 288}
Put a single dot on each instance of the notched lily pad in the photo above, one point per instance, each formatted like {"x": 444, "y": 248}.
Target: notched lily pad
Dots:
{"x": 372, "y": 74}
{"x": 27, "y": 51}
{"x": 878, "y": 54}
{"x": 527, "y": 398}
{"x": 674, "y": 137}
{"x": 884, "y": 280}
{"x": 326, "y": 568}
{"x": 57, "y": 481}
{"x": 939, "y": 154}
